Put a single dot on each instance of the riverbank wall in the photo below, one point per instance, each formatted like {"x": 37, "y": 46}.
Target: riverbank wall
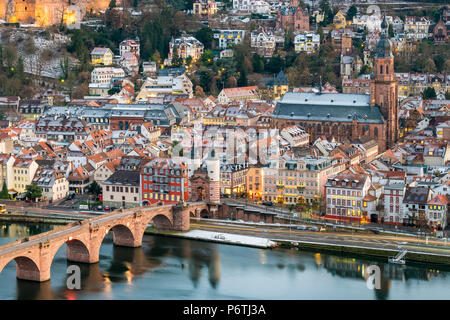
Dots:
{"x": 413, "y": 254}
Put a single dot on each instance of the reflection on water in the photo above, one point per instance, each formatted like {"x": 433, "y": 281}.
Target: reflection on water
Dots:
{"x": 169, "y": 268}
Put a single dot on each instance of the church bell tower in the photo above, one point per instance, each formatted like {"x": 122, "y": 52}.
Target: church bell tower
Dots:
{"x": 385, "y": 89}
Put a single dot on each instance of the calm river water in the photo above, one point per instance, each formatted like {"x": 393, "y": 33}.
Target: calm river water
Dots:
{"x": 170, "y": 268}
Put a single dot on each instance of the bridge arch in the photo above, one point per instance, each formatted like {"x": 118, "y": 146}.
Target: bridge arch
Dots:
{"x": 162, "y": 222}
{"x": 123, "y": 236}
{"x": 26, "y": 268}
{"x": 77, "y": 251}
{"x": 204, "y": 213}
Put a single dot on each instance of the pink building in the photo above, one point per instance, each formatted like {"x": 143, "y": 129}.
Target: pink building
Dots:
{"x": 293, "y": 17}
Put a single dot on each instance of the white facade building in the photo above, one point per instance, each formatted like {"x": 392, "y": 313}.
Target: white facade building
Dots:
{"x": 251, "y": 6}
{"x": 224, "y": 38}
{"x": 104, "y": 75}
{"x": 307, "y": 42}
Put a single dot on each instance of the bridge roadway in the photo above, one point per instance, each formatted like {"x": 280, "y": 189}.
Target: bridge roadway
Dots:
{"x": 68, "y": 230}
{"x": 34, "y": 255}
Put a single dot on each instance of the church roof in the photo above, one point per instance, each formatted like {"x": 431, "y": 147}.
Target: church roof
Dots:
{"x": 384, "y": 45}
{"x": 338, "y": 107}
{"x": 281, "y": 79}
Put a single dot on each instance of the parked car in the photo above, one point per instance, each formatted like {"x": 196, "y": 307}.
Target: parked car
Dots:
{"x": 219, "y": 236}
{"x": 268, "y": 203}
{"x": 83, "y": 207}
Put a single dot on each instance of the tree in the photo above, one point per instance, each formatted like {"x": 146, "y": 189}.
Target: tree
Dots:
{"x": 231, "y": 82}
{"x": 33, "y": 191}
{"x": 207, "y": 57}
{"x": 320, "y": 33}
{"x": 20, "y": 72}
{"x": 351, "y": 12}
{"x": 429, "y": 93}
{"x": 391, "y": 30}
{"x": 65, "y": 68}
{"x": 156, "y": 57}
{"x": 113, "y": 91}
{"x": 257, "y": 63}
{"x": 205, "y": 36}
{"x": 188, "y": 61}
{"x": 366, "y": 70}
{"x": 446, "y": 67}
{"x": 439, "y": 62}
{"x": 147, "y": 49}
{"x": 4, "y": 193}
{"x": 199, "y": 92}
{"x": 289, "y": 39}
{"x": 429, "y": 66}
{"x": 10, "y": 56}
{"x": 275, "y": 64}
{"x": 29, "y": 46}
{"x": 243, "y": 81}
{"x": 94, "y": 189}
{"x": 177, "y": 61}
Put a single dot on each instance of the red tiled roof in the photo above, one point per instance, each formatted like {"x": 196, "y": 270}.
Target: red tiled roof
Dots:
{"x": 439, "y": 199}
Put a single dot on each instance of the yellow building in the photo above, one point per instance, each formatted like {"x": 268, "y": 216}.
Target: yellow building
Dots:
{"x": 339, "y": 20}
{"x": 280, "y": 85}
{"x": 20, "y": 173}
{"x": 103, "y": 56}
{"x": 253, "y": 183}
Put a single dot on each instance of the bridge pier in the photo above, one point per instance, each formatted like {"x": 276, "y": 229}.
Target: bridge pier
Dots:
{"x": 181, "y": 218}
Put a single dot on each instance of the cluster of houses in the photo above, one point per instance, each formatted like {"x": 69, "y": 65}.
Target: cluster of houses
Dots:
{"x": 308, "y": 148}
{"x": 128, "y": 149}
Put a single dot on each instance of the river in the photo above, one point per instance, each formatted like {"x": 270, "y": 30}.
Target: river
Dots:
{"x": 172, "y": 268}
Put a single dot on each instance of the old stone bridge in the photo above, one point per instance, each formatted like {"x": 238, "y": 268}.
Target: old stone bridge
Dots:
{"x": 34, "y": 255}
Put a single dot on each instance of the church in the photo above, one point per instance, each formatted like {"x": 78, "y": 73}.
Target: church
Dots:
{"x": 349, "y": 116}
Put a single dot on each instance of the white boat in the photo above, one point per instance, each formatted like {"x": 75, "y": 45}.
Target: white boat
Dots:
{"x": 393, "y": 260}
